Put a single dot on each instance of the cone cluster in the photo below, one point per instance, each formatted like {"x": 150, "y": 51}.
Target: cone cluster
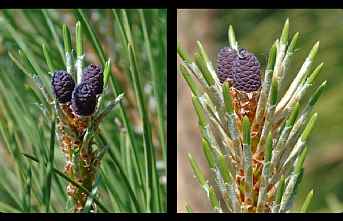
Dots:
{"x": 241, "y": 69}
{"x": 84, "y": 96}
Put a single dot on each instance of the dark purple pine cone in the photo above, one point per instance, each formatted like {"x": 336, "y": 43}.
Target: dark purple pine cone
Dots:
{"x": 225, "y": 59}
{"x": 63, "y": 85}
{"x": 83, "y": 100}
{"x": 247, "y": 72}
{"x": 94, "y": 76}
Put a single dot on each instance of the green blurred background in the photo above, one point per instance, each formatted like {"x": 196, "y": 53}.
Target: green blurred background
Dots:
{"x": 256, "y": 30}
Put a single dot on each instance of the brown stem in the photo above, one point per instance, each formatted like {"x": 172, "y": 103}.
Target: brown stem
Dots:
{"x": 80, "y": 167}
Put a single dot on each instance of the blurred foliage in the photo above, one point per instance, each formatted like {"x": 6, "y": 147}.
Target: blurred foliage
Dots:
{"x": 256, "y": 30}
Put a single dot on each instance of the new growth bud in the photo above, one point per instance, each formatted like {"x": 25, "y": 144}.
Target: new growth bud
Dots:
{"x": 93, "y": 75}
{"x": 84, "y": 100}
{"x": 225, "y": 60}
{"x": 63, "y": 86}
{"x": 246, "y": 72}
